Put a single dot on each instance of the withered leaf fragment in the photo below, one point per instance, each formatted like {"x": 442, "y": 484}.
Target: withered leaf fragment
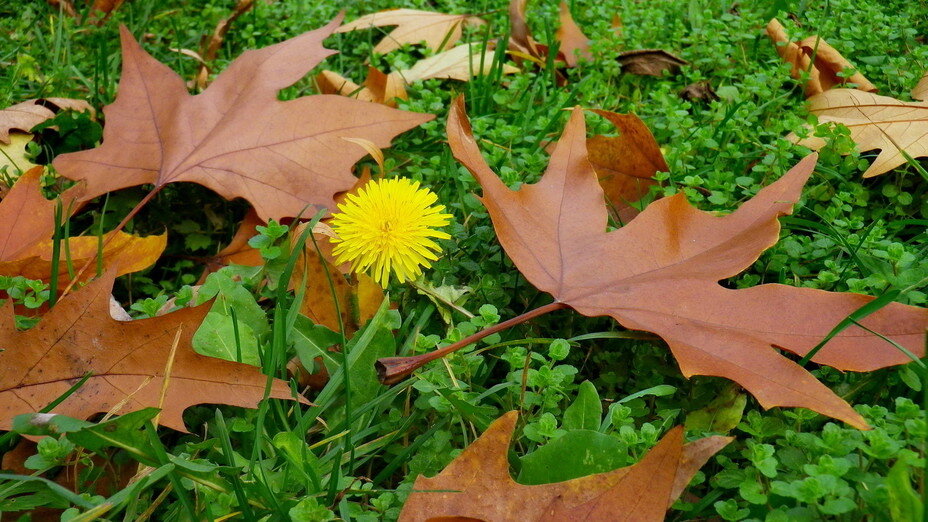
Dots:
{"x": 439, "y": 31}
{"x": 660, "y": 273}
{"x": 236, "y": 137}
{"x": 477, "y": 484}
{"x": 822, "y": 61}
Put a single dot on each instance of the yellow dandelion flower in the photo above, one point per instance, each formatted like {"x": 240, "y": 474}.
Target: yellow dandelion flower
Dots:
{"x": 388, "y": 226}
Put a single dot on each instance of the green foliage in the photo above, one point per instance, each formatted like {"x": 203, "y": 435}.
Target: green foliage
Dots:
{"x": 592, "y": 398}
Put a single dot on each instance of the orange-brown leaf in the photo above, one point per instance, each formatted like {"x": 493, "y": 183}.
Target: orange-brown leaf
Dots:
{"x": 378, "y": 87}
{"x": 574, "y": 44}
{"x": 125, "y": 253}
{"x": 236, "y": 137}
{"x": 477, "y": 484}
{"x": 660, "y": 273}
{"x": 626, "y": 164}
{"x": 127, "y": 360}
{"x": 814, "y": 54}
{"x": 461, "y": 63}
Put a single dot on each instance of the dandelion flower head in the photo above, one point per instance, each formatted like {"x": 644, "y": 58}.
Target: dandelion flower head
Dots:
{"x": 389, "y": 225}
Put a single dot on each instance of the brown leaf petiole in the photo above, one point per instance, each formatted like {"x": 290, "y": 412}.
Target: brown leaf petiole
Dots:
{"x": 391, "y": 370}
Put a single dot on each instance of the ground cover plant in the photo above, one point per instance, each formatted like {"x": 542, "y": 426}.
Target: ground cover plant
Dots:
{"x": 267, "y": 260}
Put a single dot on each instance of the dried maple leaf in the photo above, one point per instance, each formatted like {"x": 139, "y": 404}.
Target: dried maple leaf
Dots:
{"x": 822, "y": 61}
{"x": 127, "y": 360}
{"x": 660, "y": 273}
{"x": 236, "y": 137}
{"x": 477, "y": 484}
{"x": 875, "y": 122}
{"x": 574, "y": 44}
{"x": 625, "y": 164}
{"x": 26, "y": 115}
{"x": 461, "y": 63}
{"x": 439, "y": 31}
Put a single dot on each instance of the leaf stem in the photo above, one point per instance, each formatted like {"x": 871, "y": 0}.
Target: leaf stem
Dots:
{"x": 391, "y": 370}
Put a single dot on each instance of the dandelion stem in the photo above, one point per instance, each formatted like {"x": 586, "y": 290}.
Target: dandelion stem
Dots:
{"x": 392, "y": 370}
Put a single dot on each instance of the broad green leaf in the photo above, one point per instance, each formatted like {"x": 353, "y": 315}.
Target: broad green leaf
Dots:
{"x": 577, "y": 453}
{"x": 904, "y": 502}
{"x": 586, "y": 412}
{"x": 219, "y": 337}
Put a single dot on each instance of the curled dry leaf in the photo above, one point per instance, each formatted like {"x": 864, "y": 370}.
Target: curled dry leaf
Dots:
{"x": 626, "y": 164}
{"x": 574, "y": 45}
{"x": 822, "y": 61}
{"x": 26, "y": 115}
{"x": 660, "y": 273}
{"x": 211, "y": 45}
{"x": 439, "y": 31}
{"x": 477, "y": 484}
{"x": 236, "y": 137}
{"x": 650, "y": 62}
{"x": 355, "y": 297}
{"x": 378, "y": 87}
{"x": 875, "y": 122}
{"x": 699, "y": 91}
{"x": 127, "y": 360}
{"x": 461, "y": 63}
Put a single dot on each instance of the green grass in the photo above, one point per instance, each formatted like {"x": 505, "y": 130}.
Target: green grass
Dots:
{"x": 354, "y": 454}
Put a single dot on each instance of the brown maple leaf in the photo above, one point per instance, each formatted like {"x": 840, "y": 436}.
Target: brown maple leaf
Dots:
{"x": 439, "y": 31}
{"x": 477, "y": 484}
{"x": 126, "y": 359}
{"x": 875, "y": 122}
{"x": 236, "y": 137}
{"x": 660, "y": 273}
{"x": 822, "y": 61}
